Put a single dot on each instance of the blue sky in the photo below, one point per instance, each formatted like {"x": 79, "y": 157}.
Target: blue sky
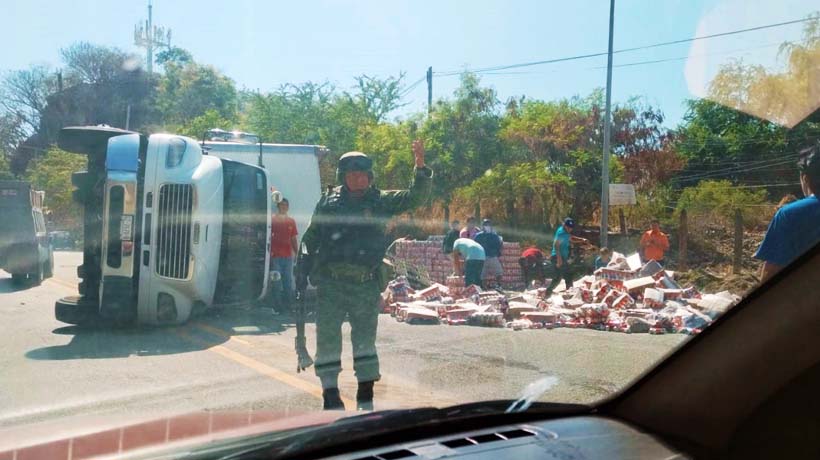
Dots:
{"x": 263, "y": 44}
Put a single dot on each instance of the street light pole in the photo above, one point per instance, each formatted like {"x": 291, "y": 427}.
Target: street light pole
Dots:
{"x": 607, "y": 129}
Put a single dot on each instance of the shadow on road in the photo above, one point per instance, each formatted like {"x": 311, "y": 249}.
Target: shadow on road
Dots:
{"x": 204, "y": 332}
{"x": 7, "y": 286}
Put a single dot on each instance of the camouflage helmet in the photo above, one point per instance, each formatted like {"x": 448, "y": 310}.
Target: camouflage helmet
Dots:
{"x": 353, "y": 161}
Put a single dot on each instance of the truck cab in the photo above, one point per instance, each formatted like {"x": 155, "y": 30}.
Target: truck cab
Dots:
{"x": 25, "y": 251}
{"x": 168, "y": 231}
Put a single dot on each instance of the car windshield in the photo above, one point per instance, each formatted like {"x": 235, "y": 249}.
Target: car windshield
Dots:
{"x": 382, "y": 205}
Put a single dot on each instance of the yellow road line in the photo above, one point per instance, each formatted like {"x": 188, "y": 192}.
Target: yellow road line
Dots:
{"x": 408, "y": 394}
{"x": 263, "y": 368}
{"x": 390, "y": 384}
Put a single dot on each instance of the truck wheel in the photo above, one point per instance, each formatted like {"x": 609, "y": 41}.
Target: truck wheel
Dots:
{"x": 36, "y": 278}
{"x": 74, "y": 310}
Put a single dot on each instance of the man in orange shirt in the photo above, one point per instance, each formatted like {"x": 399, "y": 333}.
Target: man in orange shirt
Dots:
{"x": 283, "y": 248}
{"x": 654, "y": 243}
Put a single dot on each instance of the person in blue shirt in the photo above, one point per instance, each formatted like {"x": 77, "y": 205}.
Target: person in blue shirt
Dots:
{"x": 560, "y": 254}
{"x": 795, "y": 227}
{"x": 492, "y": 244}
{"x": 472, "y": 255}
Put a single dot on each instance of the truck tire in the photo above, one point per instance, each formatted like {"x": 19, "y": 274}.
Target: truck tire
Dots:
{"x": 74, "y": 310}
{"x": 36, "y": 278}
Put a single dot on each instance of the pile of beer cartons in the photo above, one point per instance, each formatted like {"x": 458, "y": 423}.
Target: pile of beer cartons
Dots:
{"x": 627, "y": 296}
{"x": 429, "y": 256}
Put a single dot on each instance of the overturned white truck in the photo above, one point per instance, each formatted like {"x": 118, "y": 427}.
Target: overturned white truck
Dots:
{"x": 168, "y": 229}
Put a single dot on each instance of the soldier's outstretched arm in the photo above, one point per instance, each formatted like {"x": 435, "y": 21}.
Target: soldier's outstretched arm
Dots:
{"x": 399, "y": 201}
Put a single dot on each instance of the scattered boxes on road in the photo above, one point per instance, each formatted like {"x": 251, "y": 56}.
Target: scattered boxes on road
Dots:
{"x": 625, "y": 297}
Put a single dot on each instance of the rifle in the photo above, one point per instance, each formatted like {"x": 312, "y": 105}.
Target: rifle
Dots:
{"x": 303, "y": 264}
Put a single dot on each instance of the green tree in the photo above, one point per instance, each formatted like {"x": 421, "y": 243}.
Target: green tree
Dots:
{"x": 5, "y": 169}
{"x": 175, "y": 55}
{"x": 566, "y": 134}
{"x": 750, "y": 128}
{"x": 718, "y": 142}
{"x": 389, "y": 145}
{"x": 462, "y": 137}
{"x": 197, "y": 127}
{"x": 317, "y": 113}
{"x": 23, "y": 95}
{"x": 97, "y": 85}
{"x": 93, "y": 64}
{"x": 718, "y": 201}
{"x": 377, "y": 97}
{"x": 52, "y": 173}
{"x": 188, "y": 90}
{"x": 784, "y": 97}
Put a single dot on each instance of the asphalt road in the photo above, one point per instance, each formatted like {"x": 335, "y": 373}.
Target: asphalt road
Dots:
{"x": 244, "y": 359}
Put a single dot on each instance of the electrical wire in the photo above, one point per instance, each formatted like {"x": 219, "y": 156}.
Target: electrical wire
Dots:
{"x": 727, "y": 172}
{"x": 411, "y": 87}
{"x": 624, "y": 50}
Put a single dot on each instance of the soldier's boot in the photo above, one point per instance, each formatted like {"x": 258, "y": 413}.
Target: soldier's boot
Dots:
{"x": 332, "y": 400}
{"x": 364, "y": 396}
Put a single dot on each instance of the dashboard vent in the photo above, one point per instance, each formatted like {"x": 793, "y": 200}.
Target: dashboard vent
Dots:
{"x": 488, "y": 437}
{"x": 392, "y": 455}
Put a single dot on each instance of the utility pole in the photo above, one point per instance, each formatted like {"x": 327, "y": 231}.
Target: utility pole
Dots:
{"x": 607, "y": 128}
{"x": 150, "y": 36}
{"x": 429, "y": 91}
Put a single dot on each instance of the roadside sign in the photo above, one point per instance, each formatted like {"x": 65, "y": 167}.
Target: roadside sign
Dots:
{"x": 622, "y": 195}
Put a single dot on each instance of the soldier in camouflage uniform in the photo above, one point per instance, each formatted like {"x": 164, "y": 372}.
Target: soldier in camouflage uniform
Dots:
{"x": 346, "y": 242}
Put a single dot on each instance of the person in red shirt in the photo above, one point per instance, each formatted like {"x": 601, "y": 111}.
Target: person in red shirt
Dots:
{"x": 532, "y": 265}
{"x": 283, "y": 248}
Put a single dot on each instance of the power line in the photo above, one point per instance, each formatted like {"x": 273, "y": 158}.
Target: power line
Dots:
{"x": 625, "y": 50}
{"x": 735, "y": 170}
{"x": 411, "y": 87}
{"x": 746, "y": 141}
{"x": 655, "y": 61}
{"x": 727, "y": 171}
{"x": 785, "y": 184}
{"x": 683, "y": 58}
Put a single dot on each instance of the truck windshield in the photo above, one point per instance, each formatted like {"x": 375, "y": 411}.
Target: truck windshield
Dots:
{"x": 242, "y": 257}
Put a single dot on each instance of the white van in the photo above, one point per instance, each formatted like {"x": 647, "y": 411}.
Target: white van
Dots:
{"x": 293, "y": 170}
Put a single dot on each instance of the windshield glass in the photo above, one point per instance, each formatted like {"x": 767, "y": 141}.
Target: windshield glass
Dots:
{"x": 244, "y": 229}
{"x": 450, "y": 201}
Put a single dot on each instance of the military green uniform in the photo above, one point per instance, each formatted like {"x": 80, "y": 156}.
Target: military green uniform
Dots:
{"x": 347, "y": 237}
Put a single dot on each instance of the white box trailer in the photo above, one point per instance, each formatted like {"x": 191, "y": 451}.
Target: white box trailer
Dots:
{"x": 293, "y": 170}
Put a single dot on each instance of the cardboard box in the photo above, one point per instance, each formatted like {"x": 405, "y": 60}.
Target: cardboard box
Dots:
{"x": 639, "y": 284}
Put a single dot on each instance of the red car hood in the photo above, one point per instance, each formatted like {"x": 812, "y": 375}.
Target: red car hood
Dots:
{"x": 87, "y": 437}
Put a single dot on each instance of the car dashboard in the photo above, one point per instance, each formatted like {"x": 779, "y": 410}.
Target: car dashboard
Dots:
{"x": 586, "y": 437}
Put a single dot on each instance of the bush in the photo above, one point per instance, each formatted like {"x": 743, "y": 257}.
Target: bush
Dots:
{"x": 718, "y": 201}
{"x": 52, "y": 173}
